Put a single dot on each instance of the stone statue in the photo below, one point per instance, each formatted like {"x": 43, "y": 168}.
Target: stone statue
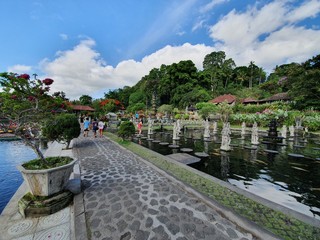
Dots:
{"x": 176, "y": 131}
{"x": 225, "y": 141}
{"x": 150, "y": 125}
{"x": 215, "y": 128}
{"x": 243, "y": 130}
{"x": 291, "y": 130}
{"x": 254, "y": 134}
{"x": 284, "y": 131}
{"x": 178, "y": 126}
{"x": 206, "y": 129}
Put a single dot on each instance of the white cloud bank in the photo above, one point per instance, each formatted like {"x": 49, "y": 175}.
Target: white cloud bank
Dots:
{"x": 269, "y": 36}
{"x": 82, "y": 70}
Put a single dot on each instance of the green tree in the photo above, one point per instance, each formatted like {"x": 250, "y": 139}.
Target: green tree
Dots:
{"x": 217, "y": 67}
{"x": 206, "y": 108}
{"x": 165, "y": 108}
{"x": 85, "y": 100}
{"x": 196, "y": 95}
{"x": 126, "y": 130}
{"x": 305, "y": 89}
{"x": 225, "y": 110}
{"x": 62, "y": 128}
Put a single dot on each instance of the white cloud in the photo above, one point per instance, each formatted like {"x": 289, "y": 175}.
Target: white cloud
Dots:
{"x": 20, "y": 69}
{"x": 64, "y": 36}
{"x": 198, "y": 24}
{"x": 268, "y": 35}
{"x": 306, "y": 10}
{"x": 208, "y": 7}
{"x": 81, "y": 70}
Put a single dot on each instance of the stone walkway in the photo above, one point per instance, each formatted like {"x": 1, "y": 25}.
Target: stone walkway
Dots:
{"x": 124, "y": 197}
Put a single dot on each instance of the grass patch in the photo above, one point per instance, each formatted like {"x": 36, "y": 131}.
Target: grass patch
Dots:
{"x": 38, "y": 164}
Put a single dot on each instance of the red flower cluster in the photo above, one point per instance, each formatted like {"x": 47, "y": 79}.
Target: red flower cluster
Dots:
{"x": 24, "y": 76}
{"x": 47, "y": 81}
{"x": 31, "y": 98}
{"x": 116, "y": 102}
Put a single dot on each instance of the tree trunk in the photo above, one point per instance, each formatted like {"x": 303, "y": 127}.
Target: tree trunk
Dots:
{"x": 36, "y": 149}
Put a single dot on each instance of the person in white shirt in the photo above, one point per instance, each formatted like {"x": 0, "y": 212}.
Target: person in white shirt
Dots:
{"x": 101, "y": 127}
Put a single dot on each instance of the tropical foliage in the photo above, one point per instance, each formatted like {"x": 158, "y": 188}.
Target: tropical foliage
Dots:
{"x": 62, "y": 127}
{"x": 182, "y": 84}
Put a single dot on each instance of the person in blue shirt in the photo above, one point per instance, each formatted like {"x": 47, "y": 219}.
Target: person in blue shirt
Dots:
{"x": 86, "y": 125}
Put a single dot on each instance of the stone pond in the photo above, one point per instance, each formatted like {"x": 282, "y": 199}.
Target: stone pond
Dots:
{"x": 286, "y": 172}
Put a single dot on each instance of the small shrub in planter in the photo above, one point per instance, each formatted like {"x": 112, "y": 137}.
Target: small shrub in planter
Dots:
{"x": 126, "y": 130}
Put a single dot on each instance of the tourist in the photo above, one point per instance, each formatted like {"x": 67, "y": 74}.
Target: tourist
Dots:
{"x": 95, "y": 127}
{"x": 140, "y": 126}
{"x": 101, "y": 127}
{"x": 86, "y": 125}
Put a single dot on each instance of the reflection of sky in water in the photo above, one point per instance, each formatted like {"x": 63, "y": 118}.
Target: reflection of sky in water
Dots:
{"x": 276, "y": 192}
{"x": 12, "y": 153}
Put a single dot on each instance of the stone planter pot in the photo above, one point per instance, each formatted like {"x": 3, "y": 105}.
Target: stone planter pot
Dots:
{"x": 47, "y": 181}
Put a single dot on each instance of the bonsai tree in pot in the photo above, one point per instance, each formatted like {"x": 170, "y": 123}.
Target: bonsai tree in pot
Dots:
{"x": 27, "y": 104}
{"x": 63, "y": 128}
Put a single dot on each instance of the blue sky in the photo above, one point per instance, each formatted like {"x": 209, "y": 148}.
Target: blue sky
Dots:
{"x": 89, "y": 47}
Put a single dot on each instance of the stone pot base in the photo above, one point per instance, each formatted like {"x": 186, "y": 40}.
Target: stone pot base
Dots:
{"x": 31, "y": 206}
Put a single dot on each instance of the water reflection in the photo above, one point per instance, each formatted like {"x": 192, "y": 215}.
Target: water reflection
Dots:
{"x": 12, "y": 154}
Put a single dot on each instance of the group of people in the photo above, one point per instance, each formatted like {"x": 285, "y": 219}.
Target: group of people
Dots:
{"x": 95, "y": 125}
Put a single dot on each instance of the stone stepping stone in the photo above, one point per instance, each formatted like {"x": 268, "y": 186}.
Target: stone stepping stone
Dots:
{"x": 143, "y": 138}
{"x": 318, "y": 159}
{"x": 298, "y": 146}
{"x": 164, "y": 143}
{"x": 282, "y": 144}
{"x": 271, "y": 151}
{"x": 156, "y": 141}
{"x": 201, "y": 154}
{"x": 207, "y": 140}
{"x": 251, "y": 147}
{"x": 186, "y": 150}
{"x": 149, "y": 139}
{"x": 315, "y": 148}
{"x": 233, "y": 145}
{"x": 196, "y": 138}
{"x": 266, "y": 142}
{"x": 184, "y": 158}
{"x": 295, "y": 155}
{"x": 174, "y": 146}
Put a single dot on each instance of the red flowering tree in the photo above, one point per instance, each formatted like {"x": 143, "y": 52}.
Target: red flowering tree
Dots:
{"x": 111, "y": 105}
{"x": 27, "y": 103}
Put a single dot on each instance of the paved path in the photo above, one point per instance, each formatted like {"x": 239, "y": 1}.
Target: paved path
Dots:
{"x": 126, "y": 198}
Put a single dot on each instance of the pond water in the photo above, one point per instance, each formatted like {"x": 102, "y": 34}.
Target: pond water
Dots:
{"x": 12, "y": 153}
{"x": 293, "y": 182}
